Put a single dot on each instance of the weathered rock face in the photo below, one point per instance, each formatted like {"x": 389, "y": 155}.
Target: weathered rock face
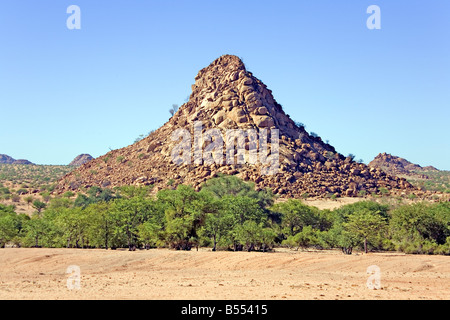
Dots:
{"x": 226, "y": 96}
{"x": 80, "y": 160}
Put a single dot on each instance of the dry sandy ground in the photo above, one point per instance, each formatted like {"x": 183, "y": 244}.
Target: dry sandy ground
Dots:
{"x": 174, "y": 275}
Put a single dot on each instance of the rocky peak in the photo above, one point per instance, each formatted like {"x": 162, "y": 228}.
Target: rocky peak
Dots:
{"x": 225, "y": 96}
{"x": 81, "y": 159}
{"x": 397, "y": 165}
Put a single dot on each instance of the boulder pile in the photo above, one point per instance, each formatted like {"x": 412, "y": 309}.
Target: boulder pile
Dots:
{"x": 225, "y": 96}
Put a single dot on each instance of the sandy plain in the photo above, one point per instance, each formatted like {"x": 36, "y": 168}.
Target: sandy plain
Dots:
{"x": 39, "y": 273}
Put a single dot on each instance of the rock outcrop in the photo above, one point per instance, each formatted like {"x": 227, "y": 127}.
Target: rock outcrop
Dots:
{"x": 227, "y": 96}
{"x": 399, "y": 166}
{"x": 81, "y": 159}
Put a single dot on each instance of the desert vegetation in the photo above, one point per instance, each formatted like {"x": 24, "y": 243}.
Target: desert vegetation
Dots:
{"x": 226, "y": 214}
{"x": 435, "y": 181}
{"x": 29, "y": 187}
{"x": 32, "y": 176}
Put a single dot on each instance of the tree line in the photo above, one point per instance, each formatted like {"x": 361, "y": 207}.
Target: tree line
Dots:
{"x": 226, "y": 214}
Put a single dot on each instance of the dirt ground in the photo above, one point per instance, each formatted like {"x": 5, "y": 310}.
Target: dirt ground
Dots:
{"x": 199, "y": 275}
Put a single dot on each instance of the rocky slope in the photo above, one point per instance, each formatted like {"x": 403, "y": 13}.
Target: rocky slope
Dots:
{"x": 80, "y": 160}
{"x": 227, "y": 96}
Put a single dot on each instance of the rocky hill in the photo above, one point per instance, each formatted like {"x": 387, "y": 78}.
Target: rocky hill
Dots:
{"x": 425, "y": 178}
{"x": 5, "y": 159}
{"x": 227, "y": 96}
{"x": 80, "y": 160}
{"x": 398, "y": 166}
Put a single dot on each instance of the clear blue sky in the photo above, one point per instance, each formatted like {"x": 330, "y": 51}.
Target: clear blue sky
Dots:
{"x": 65, "y": 92}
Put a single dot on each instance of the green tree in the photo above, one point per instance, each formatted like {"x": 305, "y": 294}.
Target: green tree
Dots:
{"x": 226, "y": 185}
{"x": 254, "y": 236}
{"x": 342, "y": 233}
{"x": 237, "y": 210}
{"x": 217, "y": 224}
{"x": 73, "y": 224}
{"x": 36, "y": 230}
{"x": 242, "y": 208}
{"x": 295, "y": 216}
{"x": 366, "y": 224}
{"x": 305, "y": 238}
{"x": 339, "y": 237}
{"x": 414, "y": 225}
{"x": 100, "y": 227}
{"x": 127, "y": 214}
{"x": 149, "y": 233}
{"x": 8, "y": 228}
{"x": 185, "y": 213}
{"x": 39, "y": 205}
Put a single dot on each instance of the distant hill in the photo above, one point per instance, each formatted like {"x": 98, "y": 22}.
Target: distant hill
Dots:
{"x": 5, "y": 159}
{"x": 426, "y": 178}
{"x": 81, "y": 159}
{"x": 398, "y": 166}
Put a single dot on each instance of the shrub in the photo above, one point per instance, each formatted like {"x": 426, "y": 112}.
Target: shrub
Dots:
{"x": 22, "y": 191}
{"x": 384, "y": 191}
{"x": 300, "y": 125}
{"x": 29, "y": 200}
{"x": 412, "y": 196}
{"x": 68, "y": 194}
{"x": 38, "y": 205}
{"x": 119, "y": 159}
